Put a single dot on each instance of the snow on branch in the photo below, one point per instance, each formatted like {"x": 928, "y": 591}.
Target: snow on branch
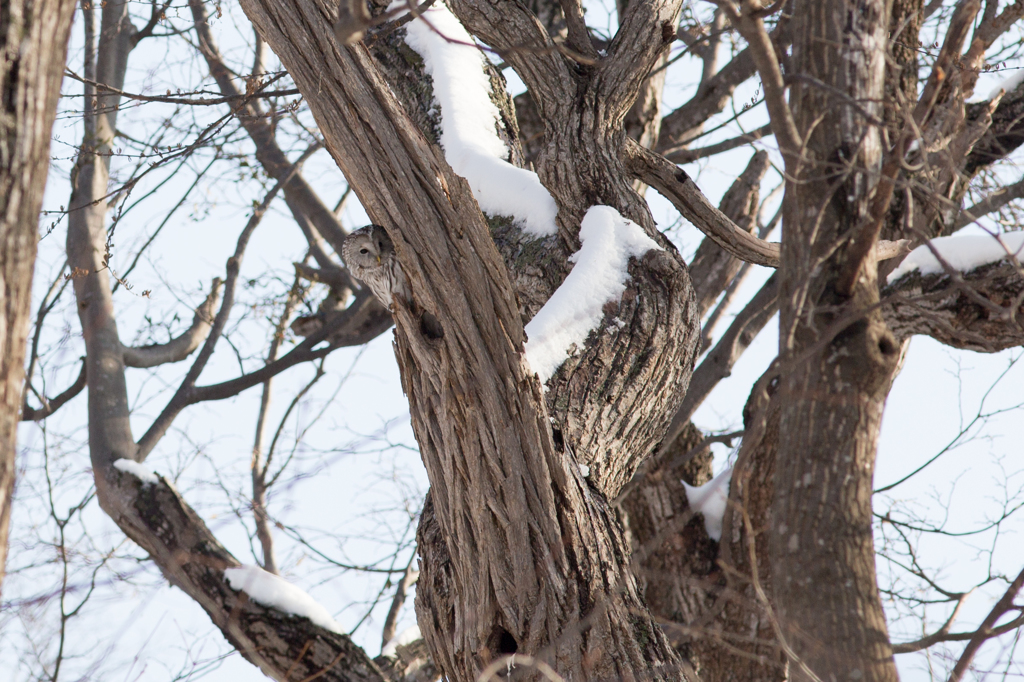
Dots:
{"x": 407, "y": 636}
{"x": 277, "y": 593}
{"x": 469, "y": 137}
{"x": 599, "y": 275}
{"x": 710, "y": 500}
{"x": 140, "y": 472}
{"x": 962, "y": 252}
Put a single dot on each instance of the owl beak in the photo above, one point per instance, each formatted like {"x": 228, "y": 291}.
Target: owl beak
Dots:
{"x": 378, "y": 259}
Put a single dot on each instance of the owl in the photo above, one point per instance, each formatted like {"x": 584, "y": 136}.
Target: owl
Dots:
{"x": 370, "y": 256}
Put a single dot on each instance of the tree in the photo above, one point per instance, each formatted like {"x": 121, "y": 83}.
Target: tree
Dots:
{"x": 33, "y": 40}
{"x": 554, "y": 445}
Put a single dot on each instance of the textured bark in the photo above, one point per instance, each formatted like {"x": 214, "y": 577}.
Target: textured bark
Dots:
{"x": 982, "y": 310}
{"x": 749, "y": 645}
{"x": 835, "y": 380}
{"x": 33, "y": 44}
{"x": 673, "y": 556}
{"x": 539, "y": 552}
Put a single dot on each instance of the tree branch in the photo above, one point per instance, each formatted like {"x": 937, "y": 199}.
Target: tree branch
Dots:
{"x": 939, "y": 306}
{"x": 750, "y": 25}
{"x": 284, "y": 646}
{"x": 676, "y": 186}
{"x": 718, "y": 364}
{"x": 180, "y": 347}
{"x": 691, "y": 155}
{"x": 988, "y": 627}
{"x": 312, "y": 216}
{"x": 30, "y": 414}
{"x": 180, "y": 398}
{"x": 990, "y": 204}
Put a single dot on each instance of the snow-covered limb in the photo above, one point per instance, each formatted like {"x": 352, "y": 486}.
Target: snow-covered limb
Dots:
{"x": 962, "y": 252}
{"x": 710, "y": 500}
{"x": 140, "y": 472}
{"x": 276, "y": 592}
{"x": 599, "y": 275}
{"x": 407, "y": 636}
{"x": 1008, "y": 85}
{"x": 469, "y": 138}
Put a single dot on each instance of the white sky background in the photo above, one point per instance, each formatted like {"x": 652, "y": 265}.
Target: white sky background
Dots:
{"x": 342, "y": 484}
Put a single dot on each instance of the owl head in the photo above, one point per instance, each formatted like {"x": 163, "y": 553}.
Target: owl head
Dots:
{"x": 367, "y": 247}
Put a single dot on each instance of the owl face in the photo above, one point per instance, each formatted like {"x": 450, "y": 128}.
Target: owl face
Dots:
{"x": 370, "y": 256}
{"x": 368, "y": 247}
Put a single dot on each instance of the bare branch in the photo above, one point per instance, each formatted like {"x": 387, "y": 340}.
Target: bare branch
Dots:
{"x": 312, "y": 216}
{"x": 988, "y": 627}
{"x": 50, "y": 406}
{"x": 180, "y": 347}
{"x": 691, "y": 155}
{"x": 940, "y": 307}
{"x": 156, "y": 517}
{"x": 712, "y": 267}
{"x": 364, "y": 320}
{"x": 676, "y": 186}
{"x": 993, "y": 202}
{"x": 187, "y": 101}
{"x": 401, "y": 592}
{"x": 750, "y": 25}
{"x": 718, "y": 364}
{"x": 179, "y": 401}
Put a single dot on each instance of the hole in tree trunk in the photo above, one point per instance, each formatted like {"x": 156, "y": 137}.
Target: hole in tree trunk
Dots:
{"x": 887, "y": 345}
{"x": 503, "y": 642}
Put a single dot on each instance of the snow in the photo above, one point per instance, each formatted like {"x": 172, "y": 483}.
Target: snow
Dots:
{"x": 1008, "y": 85}
{"x": 469, "y": 138}
{"x": 585, "y": 470}
{"x": 276, "y": 592}
{"x": 962, "y": 252}
{"x": 140, "y": 472}
{"x": 407, "y": 636}
{"x": 598, "y": 276}
{"x": 710, "y": 500}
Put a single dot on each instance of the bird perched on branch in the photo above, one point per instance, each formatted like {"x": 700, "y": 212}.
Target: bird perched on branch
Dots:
{"x": 370, "y": 256}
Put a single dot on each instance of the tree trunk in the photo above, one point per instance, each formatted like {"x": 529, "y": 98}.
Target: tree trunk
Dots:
{"x": 835, "y": 370}
{"x": 537, "y": 561}
{"x": 33, "y": 44}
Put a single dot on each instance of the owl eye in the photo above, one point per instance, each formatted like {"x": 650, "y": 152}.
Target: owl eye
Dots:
{"x": 364, "y": 251}
{"x": 380, "y": 245}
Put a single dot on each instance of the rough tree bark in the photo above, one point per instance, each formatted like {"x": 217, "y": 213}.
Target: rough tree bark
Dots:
{"x": 834, "y": 384}
{"x": 539, "y": 563}
{"x": 33, "y": 46}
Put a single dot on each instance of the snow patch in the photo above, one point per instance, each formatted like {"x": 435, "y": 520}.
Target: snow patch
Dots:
{"x": 710, "y": 500}
{"x": 600, "y": 275}
{"x": 468, "y": 116}
{"x": 407, "y": 636}
{"x": 140, "y": 472}
{"x": 1008, "y": 85}
{"x": 276, "y": 592}
{"x": 963, "y": 252}
{"x": 585, "y": 470}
